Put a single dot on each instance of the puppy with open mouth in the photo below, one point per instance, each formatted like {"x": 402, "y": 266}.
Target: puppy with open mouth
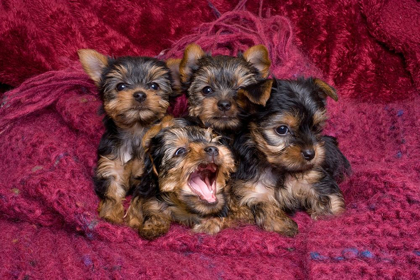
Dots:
{"x": 186, "y": 175}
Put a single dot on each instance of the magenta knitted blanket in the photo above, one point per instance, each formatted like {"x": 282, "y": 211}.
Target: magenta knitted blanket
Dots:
{"x": 50, "y": 128}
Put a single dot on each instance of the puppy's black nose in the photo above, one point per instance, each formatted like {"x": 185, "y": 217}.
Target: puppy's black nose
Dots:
{"x": 211, "y": 151}
{"x": 308, "y": 154}
{"x": 224, "y": 105}
{"x": 139, "y": 96}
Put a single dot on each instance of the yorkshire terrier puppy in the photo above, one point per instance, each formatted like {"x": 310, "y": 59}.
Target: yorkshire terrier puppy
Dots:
{"x": 212, "y": 83}
{"x": 185, "y": 178}
{"x": 285, "y": 161}
{"x": 135, "y": 92}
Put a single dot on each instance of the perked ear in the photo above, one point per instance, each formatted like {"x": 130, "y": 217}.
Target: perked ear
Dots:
{"x": 192, "y": 54}
{"x": 258, "y": 93}
{"x": 173, "y": 65}
{"x": 259, "y": 58}
{"x": 93, "y": 63}
{"x": 326, "y": 89}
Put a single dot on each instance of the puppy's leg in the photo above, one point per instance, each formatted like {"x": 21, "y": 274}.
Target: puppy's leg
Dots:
{"x": 136, "y": 166}
{"x": 157, "y": 220}
{"x": 332, "y": 204}
{"x": 210, "y": 225}
{"x": 134, "y": 217}
{"x": 325, "y": 198}
{"x": 237, "y": 215}
{"x": 112, "y": 184}
{"x": 270, "y": 217}
{"x": 262, "y": 204}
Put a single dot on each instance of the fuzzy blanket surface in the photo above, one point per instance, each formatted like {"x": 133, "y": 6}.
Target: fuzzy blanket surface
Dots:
{"x": 50, "y": 128}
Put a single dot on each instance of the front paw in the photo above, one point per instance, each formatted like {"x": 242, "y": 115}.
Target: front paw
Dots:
{"x": 134, "y": 217}
{"x": 153, "y": 227}
{"x": 282, "y": 225}
{"x": 209, "y": 226}
{"x": 111, "y": 211}
{"x": 333, "y": 206}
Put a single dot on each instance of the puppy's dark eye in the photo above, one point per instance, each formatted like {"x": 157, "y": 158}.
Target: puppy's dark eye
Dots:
{"x": 180, "y": 152}
{"x": 121, "y": 86}
{"x": 154, "y": 86}
{"x": 207, "y": 90}
{"x": 282, "y": 130}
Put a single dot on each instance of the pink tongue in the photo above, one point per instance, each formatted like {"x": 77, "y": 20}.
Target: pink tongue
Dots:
{"x": 203, "y": 188}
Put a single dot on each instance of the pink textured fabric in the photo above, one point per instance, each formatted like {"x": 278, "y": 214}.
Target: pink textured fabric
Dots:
{"x": 50, "y": 129}
{"x": 400, "y": 33}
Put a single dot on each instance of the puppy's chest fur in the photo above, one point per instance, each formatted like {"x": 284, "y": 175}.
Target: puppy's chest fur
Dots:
{"x": 130, "y": 144}
{"x": 290, "y": 190}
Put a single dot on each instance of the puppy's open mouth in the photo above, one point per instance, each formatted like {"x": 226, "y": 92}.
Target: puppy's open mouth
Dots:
{"x": 203, "y": 182}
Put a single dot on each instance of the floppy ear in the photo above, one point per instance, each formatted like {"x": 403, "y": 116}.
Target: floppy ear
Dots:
{"x": 148, "y": 185}
{"x": 259, "y": 58}
{"x": 151, "y": 139}
{"x": 167, "y": 121}
{"x": 326, "y": 89}
{"x": 192, "y": 54}
{"x": 173, "y": 65}
{"x": 93, "y": 63}
{"x": 150, "y": 145}
{"x": 258, "y": 93}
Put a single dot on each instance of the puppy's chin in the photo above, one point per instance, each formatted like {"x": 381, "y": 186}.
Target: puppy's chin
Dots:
{"x": 202, "y": 207}
{"x": 298, "y": 167}
{"x": 140, "y": 115}
{"x": 222, "y": 123}
{"x": 292, "y": 166}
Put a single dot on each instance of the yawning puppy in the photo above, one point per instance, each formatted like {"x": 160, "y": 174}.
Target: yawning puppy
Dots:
{"x": 186, "y": 174}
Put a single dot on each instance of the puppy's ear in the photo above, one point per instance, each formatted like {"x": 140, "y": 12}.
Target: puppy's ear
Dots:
{"x": 167, "y": 121}
{"x": 173, "y": 65}
{"x": 152, "y": 145}
{"x": 258, "y": 93}
{"x": 326, "y": 89}
{"x": 148, "y": 185}
{"x": 189, "y": 62}
{"x": 93, "y": 63}
{"x": 259, "y": 58}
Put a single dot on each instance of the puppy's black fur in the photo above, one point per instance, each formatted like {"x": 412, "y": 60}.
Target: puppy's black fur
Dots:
{"x": 212, "y": 83}
{"x": 135, "y": 93}
{"x": 285, "y": 161}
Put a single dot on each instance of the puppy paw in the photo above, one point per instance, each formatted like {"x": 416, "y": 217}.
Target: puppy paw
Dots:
{"x": 284, "y": 226}
{"x": 209, "y": 226}
{"x": 153, "y": 227}
{"x": 134, "y": 217}
{"x": 111, "y": 211}
{"x": 333, "y": 206}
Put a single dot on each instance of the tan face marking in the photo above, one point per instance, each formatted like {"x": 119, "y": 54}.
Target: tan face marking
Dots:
{"x": 224, "y": 75}
{"x": 282, "y": 149}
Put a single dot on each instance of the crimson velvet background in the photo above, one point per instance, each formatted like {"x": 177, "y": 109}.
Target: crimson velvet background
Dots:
{"x": 50, "y": 128}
